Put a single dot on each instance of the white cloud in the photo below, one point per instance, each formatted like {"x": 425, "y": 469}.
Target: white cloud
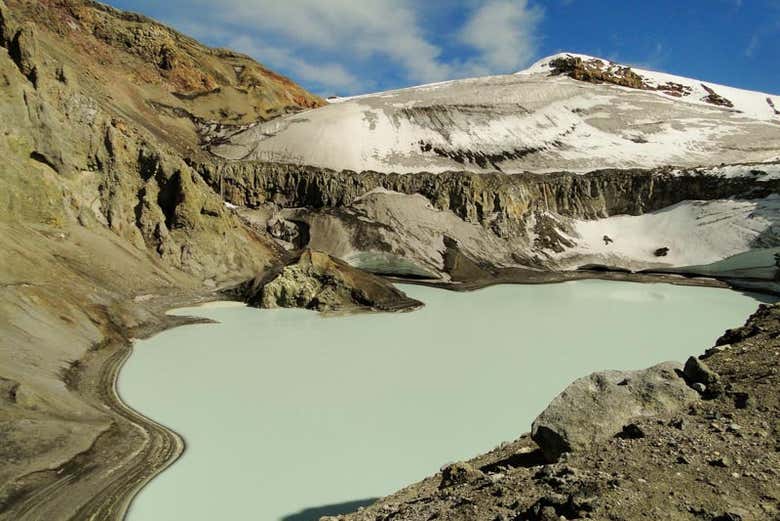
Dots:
{"x": 328, "y": 75}
{"x": 333, "y": 44}
{"x": 504, "y": 34}
{"x": 765, "y": 31}
{"x": 755, "y": 42}
{"x": 350, "y": 29}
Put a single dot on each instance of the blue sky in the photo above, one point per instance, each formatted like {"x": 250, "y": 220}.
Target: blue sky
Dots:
{"x": 354, "y": 46}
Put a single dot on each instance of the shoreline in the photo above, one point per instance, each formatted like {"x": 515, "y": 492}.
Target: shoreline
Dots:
{"x": 163, "y": 446}
{"x": 102, "y": 481}
{"x": 105, "y": 506}
{"x": 179, "y": 443}
{"x": 174, "y": 443}
{"x": 523, "y": 276}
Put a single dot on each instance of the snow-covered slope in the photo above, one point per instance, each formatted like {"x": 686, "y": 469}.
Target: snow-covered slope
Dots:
{"x": 752, "y": 104}
{"x": 537, "y": 120}
{"x": 687, "y": 234}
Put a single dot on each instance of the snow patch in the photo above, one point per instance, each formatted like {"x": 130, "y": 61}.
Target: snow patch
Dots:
{"x": 695, "y": 233}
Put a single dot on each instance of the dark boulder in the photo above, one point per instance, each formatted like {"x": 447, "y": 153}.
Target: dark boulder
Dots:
{"x": 459, "y": 473}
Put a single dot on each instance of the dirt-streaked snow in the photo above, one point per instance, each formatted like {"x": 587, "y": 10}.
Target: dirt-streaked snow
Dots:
{"x": 759, "y": 172}
{"x": 529, "y": 121}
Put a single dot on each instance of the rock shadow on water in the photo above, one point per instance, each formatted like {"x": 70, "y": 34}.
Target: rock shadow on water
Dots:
{"x": 315, "y": 513}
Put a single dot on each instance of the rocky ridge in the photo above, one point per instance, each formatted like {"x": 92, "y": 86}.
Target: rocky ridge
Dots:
{"x": 595, "y": 70}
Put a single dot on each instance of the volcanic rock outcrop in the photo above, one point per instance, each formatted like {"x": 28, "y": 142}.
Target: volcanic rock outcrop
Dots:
{"x": 320, "y": 282}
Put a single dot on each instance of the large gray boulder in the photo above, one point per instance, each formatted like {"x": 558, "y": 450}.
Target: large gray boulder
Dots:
{"x": 597, "y": 407}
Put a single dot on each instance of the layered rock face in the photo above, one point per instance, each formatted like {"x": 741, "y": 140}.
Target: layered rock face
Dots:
{"x": 480, "y": 197}
{"x": 398, "y": 224}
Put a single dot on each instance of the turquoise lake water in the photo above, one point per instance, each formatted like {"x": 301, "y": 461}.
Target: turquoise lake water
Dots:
{"x": 288, "y": 414}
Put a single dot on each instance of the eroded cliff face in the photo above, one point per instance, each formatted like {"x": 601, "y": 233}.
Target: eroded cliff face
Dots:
{"x": 480, "y": 197}
{"x": 104, "y": 226}
{"x": 107, "y": 172}
{"x": 399, "y": 223}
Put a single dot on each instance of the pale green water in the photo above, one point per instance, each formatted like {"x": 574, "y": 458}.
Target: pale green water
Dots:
{"x": 285, "y": 410}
